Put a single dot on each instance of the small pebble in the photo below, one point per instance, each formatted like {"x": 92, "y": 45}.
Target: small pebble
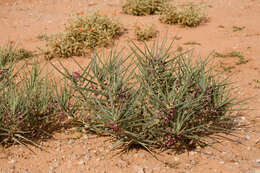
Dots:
{"x": 247, "y": 138}
{"x": 176, "y": 158}
{"x": 57, "y": 164}
{"x": 221, "y": 162}
{"x": 81, "y": 162}
{"x": 256, "y": 164}
{"x": 87, "y": 157}
{"x": 139, "y": 169}
{"x": 51, "y": 169}
{"x": 12, "y": 161}
{"x": 71, "y": 141}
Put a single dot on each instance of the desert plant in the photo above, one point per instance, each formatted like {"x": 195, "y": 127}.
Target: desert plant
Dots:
{"x": 11, "y": 53}
{"x": 144, "y": 7}
{"x": 242, "y": 59}
{"x": 85, "y": 31}
{"x": 108, "y": 97}
{"x": 165, "y": 100}
{"x": 145, "y": 32}
{"x": 28, "y": 106}
{"x": 185, "y": 102}
{"x": 187, "y": 15}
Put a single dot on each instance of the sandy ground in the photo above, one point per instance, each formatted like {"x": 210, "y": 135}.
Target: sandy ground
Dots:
{"x": 69, "y": 152}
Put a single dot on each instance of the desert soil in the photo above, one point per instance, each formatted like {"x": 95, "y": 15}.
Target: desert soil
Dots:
{"x": 70, "y": 152}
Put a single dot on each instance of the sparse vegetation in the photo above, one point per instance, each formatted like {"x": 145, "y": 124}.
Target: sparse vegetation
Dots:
{"x": 144, "y": 7}
{"x": 43, "y": 37}
{"x": 152, "y": 97}
{"x": 257, "y": 83}
{"x": 11, "y": 53}
{"x": 84, "y": 32}
{"x": 235, "y": 54}
{"x": 187, "y": 15}
{"x": 238, "y": 28}
{"x": 145, "y": 32}
{"x": 192, "y": 43}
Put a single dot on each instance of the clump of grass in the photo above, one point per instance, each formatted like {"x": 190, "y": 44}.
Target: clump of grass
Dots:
{"x": 43, "y": 37}
{"x": 85, "y": 31}
{"x": 192, "y": 43}
{"x": 187, "y": 15}
{"x": 235, "y": 54}
{"x": 145, "y": 32}
{"x": 144, "y": 7}
{"x": 238, "y": 28}
{"x": 163, "y": 101}
{"x": 185, "y": 101}
{"x": 11, "y": 53}
{"x": 257, "y": 83}
{"x": 31, "y": 106}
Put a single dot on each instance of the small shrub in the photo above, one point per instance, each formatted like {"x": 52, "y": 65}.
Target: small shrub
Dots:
{"x": 29, "y": 105}
{"x": 12, "y": 53}
{"x": 163, "y": 101}
{"x": 84, "y": 32}
{"x": 145, "y": 32}
{"x": 144, "y": 7}
{"x": 184, "y": 101}
{"x": 187, "y": 15}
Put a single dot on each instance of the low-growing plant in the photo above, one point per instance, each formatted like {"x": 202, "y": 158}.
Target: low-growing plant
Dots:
{"x": 185, "y": 102}
{"x": 242, "y": 59}
{"x": 145, "y": 32}
{"x": 43, "y": 37}
{"x": 257, "y": 83}
{"x": 30, "y": 109}
{"x": 85, "y": 31}
{"x": 187, "y": 15}
{"x": 238, "y": 28}
{"x": 11, "y": 53}
{"x": 192, "y": 43}
{"x": 144, "y": 7}
{"x": 164, "y": 100}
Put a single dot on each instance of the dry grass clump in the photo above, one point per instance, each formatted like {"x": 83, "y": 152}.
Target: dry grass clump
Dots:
{"x": 145, "y": 32}
{"x": 144, "y": 7}
{"x": 187, "y": 15}
{"x": 85, "y": 31}
{"x": 11, "y": 53}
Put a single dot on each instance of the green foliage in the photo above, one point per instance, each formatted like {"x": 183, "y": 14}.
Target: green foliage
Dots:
{"x": 238, "y": 28}
{"x": 187, "y": 15}
{"x": 29, "y": 105}
{"x": 11, "y": 53}
{"x": 192, "y": 43}
{"x": 242, "y": 59}
{"x": 163, "y": 101}
{"x": 145, "y": 32}
{"x": 83, "y": 32}
{"x": 144, "y": 7}
{"x": 184, "y": 102}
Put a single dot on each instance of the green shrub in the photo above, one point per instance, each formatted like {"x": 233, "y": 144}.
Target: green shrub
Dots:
{"x": 144, "y": 7}
{"x": 187, "y": 15}
{"x": 83, "y": 32}
{"x": 145, "y": 32}
{"x": 162, "y": 101}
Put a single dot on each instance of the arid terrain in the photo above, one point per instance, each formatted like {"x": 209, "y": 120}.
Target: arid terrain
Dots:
{"x": 233, "y": 25}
